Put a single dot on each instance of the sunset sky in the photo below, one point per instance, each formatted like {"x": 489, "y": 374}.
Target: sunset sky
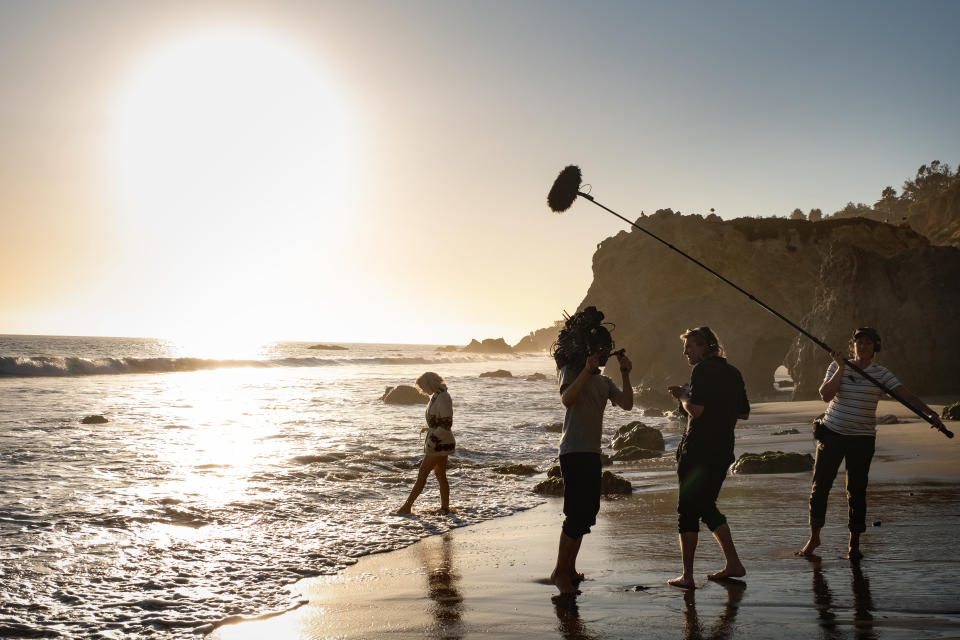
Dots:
{"x": 377, "y": 171}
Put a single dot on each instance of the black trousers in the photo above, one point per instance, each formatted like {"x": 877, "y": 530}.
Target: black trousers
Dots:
{"x": 581, "y": 492}
{"x": 700, "y": 484}
{"x": 832, "y": 449}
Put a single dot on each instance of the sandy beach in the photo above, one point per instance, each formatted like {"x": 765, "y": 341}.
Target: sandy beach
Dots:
{"x": 490, "y": 579}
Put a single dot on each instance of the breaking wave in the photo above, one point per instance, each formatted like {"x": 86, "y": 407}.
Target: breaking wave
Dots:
{"x": 50, "y": 366}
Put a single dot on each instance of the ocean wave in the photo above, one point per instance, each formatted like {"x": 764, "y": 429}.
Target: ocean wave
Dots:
{"x": 47, "y": 366}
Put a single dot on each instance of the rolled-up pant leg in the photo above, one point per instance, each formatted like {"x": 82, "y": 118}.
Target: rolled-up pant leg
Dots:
{"x": 700, "y": 485}
{"x": 859, "y": 455}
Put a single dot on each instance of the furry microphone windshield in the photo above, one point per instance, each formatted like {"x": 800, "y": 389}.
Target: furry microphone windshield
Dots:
{"x": 565, "y": 189}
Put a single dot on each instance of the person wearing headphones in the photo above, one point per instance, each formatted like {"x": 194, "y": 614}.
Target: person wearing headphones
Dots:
{"x": 714, "y": 400}
{"x": 582, "y": 347}
{"x": 848, "y": 432}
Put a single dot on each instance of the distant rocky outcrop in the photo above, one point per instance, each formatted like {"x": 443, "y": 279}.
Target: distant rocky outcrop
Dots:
{"x": 499, "y": 373}
{"x": 536, "y": 377}
{"x": 829, "y": 276}
{"x": 773, "y": 462}
{"x": 94, "y": 420}
{"x": 403, "y": 394}
{"x": 327, "y": 347}
{"x": 488, "y": 345}
{"x": 539, "y": 340}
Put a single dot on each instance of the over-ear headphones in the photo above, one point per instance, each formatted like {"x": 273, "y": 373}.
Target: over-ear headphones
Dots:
{"x": 870, "y": 333}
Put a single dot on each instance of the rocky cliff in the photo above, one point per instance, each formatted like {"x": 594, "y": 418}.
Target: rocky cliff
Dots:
{"x": 829, "y": 277}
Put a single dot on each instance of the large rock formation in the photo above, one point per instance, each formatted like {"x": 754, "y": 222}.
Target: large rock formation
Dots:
{"x": 829, "y": 277}
{"x": 912, "y": 299}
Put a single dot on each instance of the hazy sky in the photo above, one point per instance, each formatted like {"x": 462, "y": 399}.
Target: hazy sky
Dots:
{"x": 377, "y": 171}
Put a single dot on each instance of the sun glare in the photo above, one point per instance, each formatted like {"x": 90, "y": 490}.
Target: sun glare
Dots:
{"x": 228, "y": 151}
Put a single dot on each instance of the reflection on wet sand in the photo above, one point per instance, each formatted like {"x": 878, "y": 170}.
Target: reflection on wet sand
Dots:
{"x": 442, "y": 588}
{"x": 571, "y": 627}
{"x": 863, "y": 606}
{"x": 723, "y": 629}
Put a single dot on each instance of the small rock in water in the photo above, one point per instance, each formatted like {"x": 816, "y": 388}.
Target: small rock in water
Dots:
{"x": 404, "y": 394}
{"x": 638, "y": 587}
{"x": 499, "y": 373}
{"x": 94, "y": 420}
{"x": 517, "y": 469}
{"x": 877, "y": 523}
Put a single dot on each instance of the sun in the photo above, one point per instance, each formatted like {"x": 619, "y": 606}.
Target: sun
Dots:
{"x": 228, "y": 153}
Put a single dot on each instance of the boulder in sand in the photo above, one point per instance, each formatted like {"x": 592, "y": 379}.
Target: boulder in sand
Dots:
{"x": 637, "y": 434}
{"x": 773, "y": 462}
{"x": 613, "y": 483}
{"x": 951, "y": 412}
{"x": 635, "y": 453}
{"x": 403, "y": 394}
{"x": 609, "y": 483}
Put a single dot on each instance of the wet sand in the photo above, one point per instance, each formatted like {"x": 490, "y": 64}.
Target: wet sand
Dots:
{"x": 490, "y": 579}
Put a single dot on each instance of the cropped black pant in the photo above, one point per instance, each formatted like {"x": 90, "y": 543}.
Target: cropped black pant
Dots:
{"x": 581, "y": 491}
{"x": 832, "y": 449}
{"x": 700, "y": 484}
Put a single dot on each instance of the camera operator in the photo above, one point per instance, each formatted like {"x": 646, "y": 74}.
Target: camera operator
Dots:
{"x": 582, "y": 347}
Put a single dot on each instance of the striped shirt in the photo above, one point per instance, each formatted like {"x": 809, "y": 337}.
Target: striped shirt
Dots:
{"x": 853, "y": 411}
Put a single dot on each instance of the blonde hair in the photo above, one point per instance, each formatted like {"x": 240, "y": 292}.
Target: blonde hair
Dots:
{"x": 705, "y": 337}
{"x": 430, "y": 383}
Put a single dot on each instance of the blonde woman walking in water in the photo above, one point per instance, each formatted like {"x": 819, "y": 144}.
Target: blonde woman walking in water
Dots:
{"x": 439, "y": 443}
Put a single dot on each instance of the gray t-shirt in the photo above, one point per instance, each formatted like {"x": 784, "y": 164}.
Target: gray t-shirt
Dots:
{"x": 583, "y": 424}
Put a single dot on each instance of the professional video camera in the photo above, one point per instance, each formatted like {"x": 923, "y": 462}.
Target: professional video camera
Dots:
{"x": 583, "y": 334}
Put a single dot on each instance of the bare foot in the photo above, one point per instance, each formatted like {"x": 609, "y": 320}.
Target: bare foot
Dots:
{"x": 403, "y": 511}
{"x": 853, "y": 547}
{"x": 576, "y": 576}
{"x": 809, "y": 548}
{"x": 683, "y": 582}
{"x": 730, "y": 571}
{"x": 564, "y": 583}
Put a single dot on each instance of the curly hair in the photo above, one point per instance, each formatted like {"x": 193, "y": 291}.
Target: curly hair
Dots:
{"x": 583, "y": 334}
{"x": 430, "y": 382}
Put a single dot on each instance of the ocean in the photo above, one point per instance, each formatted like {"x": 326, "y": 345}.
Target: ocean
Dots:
{"x": 220, "y": 479}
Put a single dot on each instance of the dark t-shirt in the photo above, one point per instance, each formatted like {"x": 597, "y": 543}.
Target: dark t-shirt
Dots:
{"x": 718, "y": 387}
